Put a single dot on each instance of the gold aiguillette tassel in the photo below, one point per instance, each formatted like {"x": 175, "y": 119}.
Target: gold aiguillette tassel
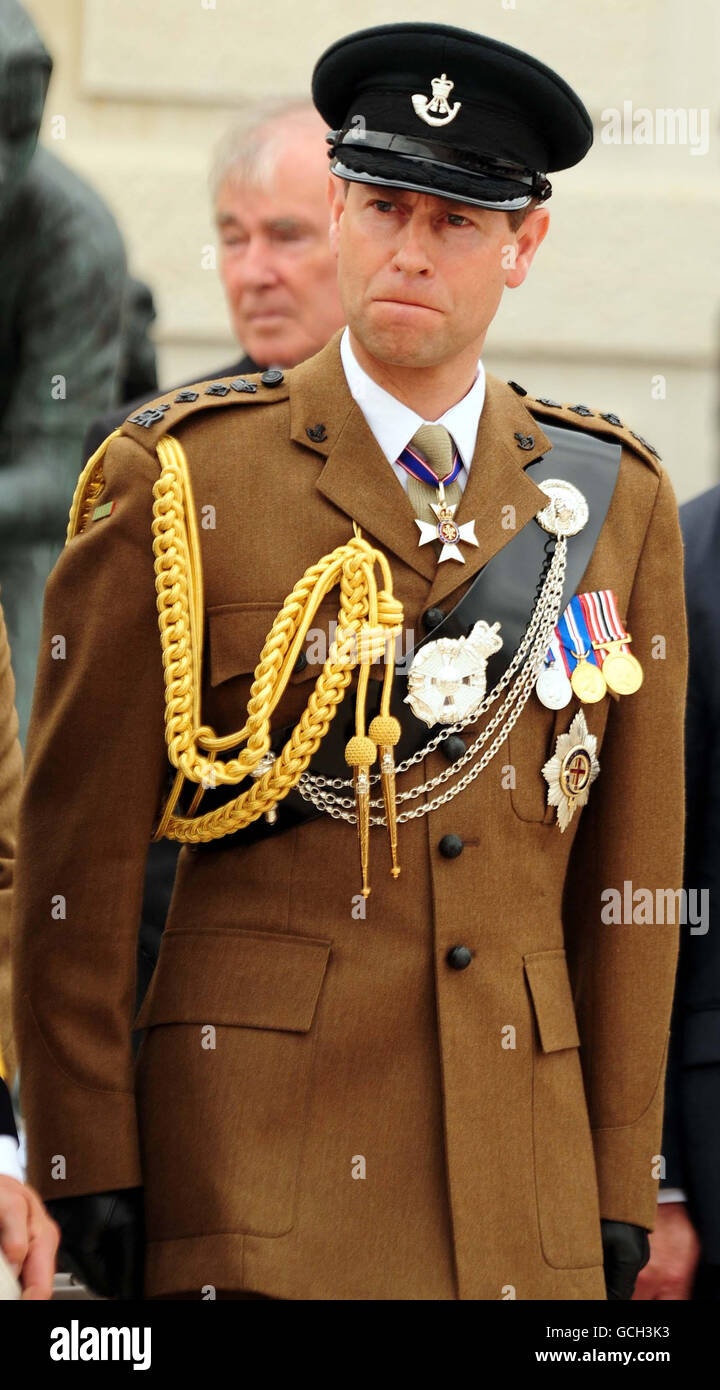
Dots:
{"x": 385, "y": 732}
{"x": 360, "y": 753}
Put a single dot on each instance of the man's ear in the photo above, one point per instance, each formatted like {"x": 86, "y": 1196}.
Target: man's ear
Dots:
{"x": 528, "y": 237}
{"x": 336, "y": 200}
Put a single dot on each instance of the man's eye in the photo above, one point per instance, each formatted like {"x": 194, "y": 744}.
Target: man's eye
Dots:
{"x": 457, "y": 220}
{"x": 382, "y": 205}
{"x": 287, "y": 234}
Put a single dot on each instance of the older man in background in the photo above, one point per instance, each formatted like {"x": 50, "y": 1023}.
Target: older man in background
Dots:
{"x": 268, "y": 187}
{"x": 271, "y": 214}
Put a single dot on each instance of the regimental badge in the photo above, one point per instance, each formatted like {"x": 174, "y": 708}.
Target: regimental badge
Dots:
{"x": 566, "y": 512}
{"x": 447, "y": 678}
{"x": 436, "y": 110}
{"x": 447, "y": 530}
{"x": 571, "y": 769}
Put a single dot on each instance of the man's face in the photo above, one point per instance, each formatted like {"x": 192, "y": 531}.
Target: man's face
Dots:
{"x": 421, "y": 277}
{"x": 279, "y": 274}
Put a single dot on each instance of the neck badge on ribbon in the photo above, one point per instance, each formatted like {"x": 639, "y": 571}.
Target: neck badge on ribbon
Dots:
{"x": 445, "y": 529}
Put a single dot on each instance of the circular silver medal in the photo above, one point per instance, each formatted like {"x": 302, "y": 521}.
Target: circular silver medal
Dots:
{"x": 566, "y": 512}
{"x": 553, "y": 688}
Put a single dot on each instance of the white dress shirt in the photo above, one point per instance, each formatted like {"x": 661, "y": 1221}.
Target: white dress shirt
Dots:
{"x": 394, "y": 424}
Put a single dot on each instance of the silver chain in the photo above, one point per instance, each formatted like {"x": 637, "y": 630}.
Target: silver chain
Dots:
{"x": 321, "y": 791}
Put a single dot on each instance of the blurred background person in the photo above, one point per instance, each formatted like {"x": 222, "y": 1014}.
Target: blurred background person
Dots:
{"x": 270, "y": 200}
{"x": 70, "y": 325}
{"x": 685, "y": 1245}
{"x": 268, "y": 190}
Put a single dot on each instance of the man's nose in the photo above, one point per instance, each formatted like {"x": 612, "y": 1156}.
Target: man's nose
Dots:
{"x": 412, "y": 254}
{"x": 257, "y": 266}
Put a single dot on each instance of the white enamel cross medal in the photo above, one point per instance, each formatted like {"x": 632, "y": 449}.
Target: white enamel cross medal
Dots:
{"x": 446, "y": 530}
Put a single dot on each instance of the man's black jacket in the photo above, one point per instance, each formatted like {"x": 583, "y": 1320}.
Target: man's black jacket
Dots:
{"x": 691, "y": 1140}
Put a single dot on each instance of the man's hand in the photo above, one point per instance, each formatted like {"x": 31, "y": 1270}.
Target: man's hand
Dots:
{"x": 29, "y": 1238}
{"x": 674, "y": 1255}
{"x": 625, "y": 1251}
{"x": 103, "y": 1240}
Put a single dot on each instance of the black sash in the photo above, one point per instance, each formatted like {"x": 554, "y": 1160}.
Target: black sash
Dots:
{"x": 503, "y": 591}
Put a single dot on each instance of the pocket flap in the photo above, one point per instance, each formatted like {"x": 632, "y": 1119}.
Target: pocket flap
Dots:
{"x": 254, "y": 979}
{"x": 237, "y": 633}
{"x": 547, "y": 976}
{"x": 236, "y": 637}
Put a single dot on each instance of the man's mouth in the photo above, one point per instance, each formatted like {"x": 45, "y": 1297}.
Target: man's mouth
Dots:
{"x": 406, "y": 303}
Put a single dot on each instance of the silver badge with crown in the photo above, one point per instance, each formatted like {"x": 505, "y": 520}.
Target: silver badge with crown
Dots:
{"x": 447, "y": 678}
{"x": 436, "y": 110}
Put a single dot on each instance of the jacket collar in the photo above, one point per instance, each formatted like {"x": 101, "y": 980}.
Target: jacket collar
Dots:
{"x": 357, "y": 478}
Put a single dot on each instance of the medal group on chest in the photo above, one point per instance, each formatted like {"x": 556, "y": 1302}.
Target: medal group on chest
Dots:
{"x": 583, "y": 650}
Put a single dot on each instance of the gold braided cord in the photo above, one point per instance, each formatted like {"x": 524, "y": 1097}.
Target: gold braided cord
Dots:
{"x": 369, "y": 619}
{"x": 368, "y": 622}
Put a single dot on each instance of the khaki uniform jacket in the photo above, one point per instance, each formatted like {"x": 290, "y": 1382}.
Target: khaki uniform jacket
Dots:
{"x": 357, "y": 1126}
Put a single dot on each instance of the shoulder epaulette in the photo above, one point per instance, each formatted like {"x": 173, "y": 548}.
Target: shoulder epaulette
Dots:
{"x": 156, "y": 418}
{"x": 607, "y": 424}
{"x": 159, "y": 417}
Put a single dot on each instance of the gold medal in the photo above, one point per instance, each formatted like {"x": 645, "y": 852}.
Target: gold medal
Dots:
{"x": 587, "y": 680}
{"x": 622, "y": 670}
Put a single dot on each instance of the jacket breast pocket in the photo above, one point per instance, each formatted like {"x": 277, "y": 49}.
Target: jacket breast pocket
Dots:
{"x": 223, "y": 1079}
{"x": 565, "y": 1177}
{"x": 236, "y": 634}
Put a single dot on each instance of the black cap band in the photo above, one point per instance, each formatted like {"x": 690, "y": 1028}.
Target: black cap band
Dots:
{"x": 461, "y": 175}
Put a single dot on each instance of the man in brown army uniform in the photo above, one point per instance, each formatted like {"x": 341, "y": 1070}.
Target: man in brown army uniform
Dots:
{"x": 450, "y": 1088}
{"x": 29, "y": 1238}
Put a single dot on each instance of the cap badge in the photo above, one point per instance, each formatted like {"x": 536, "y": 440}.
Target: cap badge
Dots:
{"x": 436, "y": 110}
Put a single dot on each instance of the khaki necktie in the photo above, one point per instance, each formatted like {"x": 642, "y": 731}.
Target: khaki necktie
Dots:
{"x": 435, "y": 443}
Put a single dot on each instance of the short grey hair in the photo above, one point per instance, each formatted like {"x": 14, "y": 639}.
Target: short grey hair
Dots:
{"x": 249, "y": 150}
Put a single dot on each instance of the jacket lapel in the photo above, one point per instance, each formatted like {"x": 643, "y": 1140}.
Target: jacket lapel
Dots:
{"x": 357, "y": 478}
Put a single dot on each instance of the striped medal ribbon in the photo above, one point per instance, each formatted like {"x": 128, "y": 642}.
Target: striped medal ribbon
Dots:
{"x": 622, "y": 671}
{"x": 579, "y": 657}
